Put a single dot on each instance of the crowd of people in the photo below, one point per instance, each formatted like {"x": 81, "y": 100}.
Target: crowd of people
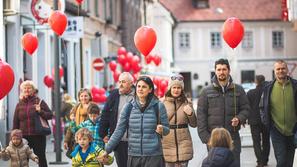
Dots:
{"x": 143, "y": 130}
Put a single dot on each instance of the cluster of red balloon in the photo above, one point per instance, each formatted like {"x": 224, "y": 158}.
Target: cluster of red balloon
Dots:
{"x": 233, "y": 31}
{"x": 98, "y": 94}
{"x": 161, "y": 86}
{"x": 6, "y": 79}
{"x": 57, "y": 21}
{"x": 128, "y": 61}
{"x": 153, "y": 58}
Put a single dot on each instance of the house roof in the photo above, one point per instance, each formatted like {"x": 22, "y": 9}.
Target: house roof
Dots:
{"x": 249, "y": 10}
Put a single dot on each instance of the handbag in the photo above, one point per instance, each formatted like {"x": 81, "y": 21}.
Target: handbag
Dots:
{"x": 41, "y": 125}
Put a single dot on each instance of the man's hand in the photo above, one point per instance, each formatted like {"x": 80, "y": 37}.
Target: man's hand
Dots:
{"x": 159, "y": 129}
{"x": 235, "y": 121}
{"x": 105, "y": 139}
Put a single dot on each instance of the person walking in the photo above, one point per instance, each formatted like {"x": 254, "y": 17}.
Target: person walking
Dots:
{"x": 222, "y": 104}
{"x": 260, "y": 134}
{"x": 111, "y": 114}
{"x": 27, "y": 109}
{"x": 220, "y": 154}
{"x": 279, "y": 107}
{"x": 79, "y": 113}
{"x": 178, "y": 146}
{"x": 146, "y": 120}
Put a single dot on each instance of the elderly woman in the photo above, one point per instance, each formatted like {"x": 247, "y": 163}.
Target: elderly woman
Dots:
{"x": 177, "y": 146}
{"x": 28, "y": 108}
{"x": 80, "y": 114}
{"x": 146, "y": 120}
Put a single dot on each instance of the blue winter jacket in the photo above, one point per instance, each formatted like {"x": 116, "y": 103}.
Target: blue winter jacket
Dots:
{"x": 143, "y": 140}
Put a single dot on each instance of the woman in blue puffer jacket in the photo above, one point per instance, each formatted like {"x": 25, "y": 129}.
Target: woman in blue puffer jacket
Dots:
{"x": 146, "y": 120}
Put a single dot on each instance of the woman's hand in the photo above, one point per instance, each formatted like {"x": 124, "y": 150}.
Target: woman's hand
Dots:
{"x": 188, "y": 109}
{"x": 103, "y": 158}
{"x": 159, "y": 129}
{"x": 65, "y": 146}
{"x": 105, "y": 139}
{"x": 37, "y": 106}
{"x": 36, "y": 160}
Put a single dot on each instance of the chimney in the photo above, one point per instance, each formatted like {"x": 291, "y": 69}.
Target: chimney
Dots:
{"x": 200, "y": 4}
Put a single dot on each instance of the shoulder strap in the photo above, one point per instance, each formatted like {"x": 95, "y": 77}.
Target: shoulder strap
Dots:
{"x": 157, "y": 112}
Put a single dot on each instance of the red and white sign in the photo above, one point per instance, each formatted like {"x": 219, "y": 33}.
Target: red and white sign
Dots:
{"x": 41, "y": 9}
{"x": 98, "y": 64}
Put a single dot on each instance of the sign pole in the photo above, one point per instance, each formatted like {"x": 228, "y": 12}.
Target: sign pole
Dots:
{"x": 57, "y": 97}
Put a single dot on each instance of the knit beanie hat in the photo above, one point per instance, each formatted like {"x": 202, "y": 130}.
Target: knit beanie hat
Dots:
{"x": 176, "y": 80}
{"x": 16, "y": 133}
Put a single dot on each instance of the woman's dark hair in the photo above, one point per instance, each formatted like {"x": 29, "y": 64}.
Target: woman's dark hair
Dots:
{"x": 182, "y": 96}
{"x": 150, "y": 83}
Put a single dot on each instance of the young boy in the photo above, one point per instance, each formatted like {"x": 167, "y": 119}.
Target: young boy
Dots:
{"x": 18, "y": 150}
{"x": 92, "y": 124}
{"x": 87, "y": 153}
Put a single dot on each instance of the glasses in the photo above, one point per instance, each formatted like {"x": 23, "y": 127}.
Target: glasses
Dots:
{"x": 177, "y": 77}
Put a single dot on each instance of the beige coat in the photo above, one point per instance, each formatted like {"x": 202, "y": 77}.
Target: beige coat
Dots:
{"x": 177, "y": 146}
{"x": 18, "y": 155}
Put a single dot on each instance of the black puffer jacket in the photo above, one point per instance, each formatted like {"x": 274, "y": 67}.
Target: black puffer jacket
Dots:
{"x": 219, "y": 157}
{"x": 217, "y": 107}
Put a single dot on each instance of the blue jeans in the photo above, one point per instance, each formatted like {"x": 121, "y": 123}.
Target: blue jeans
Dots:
{"x": 284, "y": 148}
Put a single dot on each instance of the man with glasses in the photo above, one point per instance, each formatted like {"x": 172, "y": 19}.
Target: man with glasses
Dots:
{"x": 222, "y": 104}
{"x": 111, "y": 114}
{"x": 280, "y": 113}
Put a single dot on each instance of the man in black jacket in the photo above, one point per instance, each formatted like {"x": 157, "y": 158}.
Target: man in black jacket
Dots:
{"x": 222, "y": 104}
{"x": 260, "y": 134}
{"x": 111, "y": 114}
{"x": 280, "y": 113}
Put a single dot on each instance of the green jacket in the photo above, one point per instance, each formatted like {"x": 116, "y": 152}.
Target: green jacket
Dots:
{"x": 91, "y": 160}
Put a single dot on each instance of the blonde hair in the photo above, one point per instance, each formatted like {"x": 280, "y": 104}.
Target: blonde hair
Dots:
{"x": 220, "y": 137}
{"x": 83, "y": 132}
{"x": 27, "y": 83}
{"x": 67, "y": 98}
{"x": 84, "y": 90}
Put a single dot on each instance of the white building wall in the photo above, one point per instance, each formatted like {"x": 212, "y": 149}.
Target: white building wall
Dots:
{"x": 161, "y": 21}
{"x": 200, "y": 57}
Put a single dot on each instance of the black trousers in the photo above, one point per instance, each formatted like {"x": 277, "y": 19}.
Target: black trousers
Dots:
{"x": 38, "y": 144}
{"x": 261, "y": 142}
{"x": 148, "y": 161}
{"x": 121, "y": 153}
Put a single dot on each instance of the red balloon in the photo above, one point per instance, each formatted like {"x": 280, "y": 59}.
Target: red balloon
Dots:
{"x": 135, "y": 60}
{"x": 29, "y": 42}
{"x": 48, "y": 81}
{"x": 61, "y": 72}
{"x": 112, "y": 65}
{"x": 79, "y": 2}
{"x": 145, "y": 39}
{"x": 6, "y": 79}
{"x": 156, "y": 81}
{"x": 127, "y": 67}
{"x": 122, "y": 59}
{"x": 149, "y": 58}
{"x": 101, "y": 91}
{"x": 129, "y": 57}
{"x": 116, "y": 75}
{"x": 122, "y": 51}
{"x": 102, "y": 98}
{"x": 233, "y": 31}
{"x": 58, "y": 22}
{"x": 94, "y": 90}
{"x": 136, "y": 67}
{"x": 157, "y": 60}
{"x": 163, "y": 85}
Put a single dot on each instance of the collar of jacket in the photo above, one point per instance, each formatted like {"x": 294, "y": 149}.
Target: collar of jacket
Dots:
{"x": 77, "y": 148}
{"x": 24, "y": 142}
{"x": 153, "y": 101}
{"x": 215, "y": 82}
{"x": 172, "y": 99}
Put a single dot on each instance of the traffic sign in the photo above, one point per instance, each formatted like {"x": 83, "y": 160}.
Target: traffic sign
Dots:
{"x": 98, "y": 64}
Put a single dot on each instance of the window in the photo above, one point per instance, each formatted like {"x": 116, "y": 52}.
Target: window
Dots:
{"x": 247, "y": 41}
{"x": 215, "y": 38}
{"x": 86, "y": 5}
{"x": 277, "y": 39}
{"x": 247, "y": 76}
{"x": 184, "y": 40}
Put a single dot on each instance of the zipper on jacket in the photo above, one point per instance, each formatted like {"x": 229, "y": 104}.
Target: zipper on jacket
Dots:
{"x": 175, "y": 134}
{"x": 28, "y": 118}
{"x": 284, "y": 108}
{"x": 141, "y": 134}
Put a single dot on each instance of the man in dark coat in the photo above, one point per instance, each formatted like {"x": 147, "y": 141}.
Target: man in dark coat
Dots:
{"x": 222, "y": 104}
{"x": 111, "y": 114}
{"x": 260, "y": 134}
